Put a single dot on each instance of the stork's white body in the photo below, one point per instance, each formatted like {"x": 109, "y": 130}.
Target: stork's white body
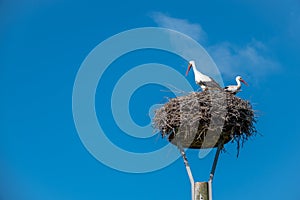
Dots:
{"x": 205, "y": 82}
{"x": 234, "y": 89}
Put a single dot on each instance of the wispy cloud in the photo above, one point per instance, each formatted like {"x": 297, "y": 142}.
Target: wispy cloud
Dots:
{"x": 182, "y": 25}
{"x": 248, "y": 60}
{"x": 188, "y": 50}
{"x": 294, "y": 24}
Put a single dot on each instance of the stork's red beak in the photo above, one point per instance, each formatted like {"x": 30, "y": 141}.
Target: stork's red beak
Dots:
{"x": 244, "y": 82}
{"x": 188, "y": 69}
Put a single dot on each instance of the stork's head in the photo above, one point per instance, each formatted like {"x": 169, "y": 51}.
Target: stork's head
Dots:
{"x": 242, "y": 80}
{"x": 191, "y": 64}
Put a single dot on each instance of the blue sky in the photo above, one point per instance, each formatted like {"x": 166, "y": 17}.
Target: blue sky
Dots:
{"x": 43, "y": 44}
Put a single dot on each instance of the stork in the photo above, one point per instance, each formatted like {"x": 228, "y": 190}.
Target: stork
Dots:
{"x": 205, "y": 82}
{"x": 234, "y": 89}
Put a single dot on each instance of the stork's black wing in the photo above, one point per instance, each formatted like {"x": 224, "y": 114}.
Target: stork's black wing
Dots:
{"x": 211, "y": 84}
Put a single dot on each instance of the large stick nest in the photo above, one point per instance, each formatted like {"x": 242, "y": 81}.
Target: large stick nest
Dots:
{"x": 203, "y": 119}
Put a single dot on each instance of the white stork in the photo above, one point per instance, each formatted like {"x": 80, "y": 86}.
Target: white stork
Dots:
{"x": 205, "y": 82}
{"x": 235, "y": 88}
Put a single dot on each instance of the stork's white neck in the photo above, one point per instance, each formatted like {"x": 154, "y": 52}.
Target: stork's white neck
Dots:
{"x": 195, "y": 69}
{"x": 238, "y": 83}
{"x": 199, "y": 75}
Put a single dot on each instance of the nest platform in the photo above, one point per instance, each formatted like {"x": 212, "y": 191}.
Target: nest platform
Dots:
{"x": 201, "y": 120}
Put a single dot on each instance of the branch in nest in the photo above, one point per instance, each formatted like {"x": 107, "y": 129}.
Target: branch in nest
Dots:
{"x": 201, "y": 119}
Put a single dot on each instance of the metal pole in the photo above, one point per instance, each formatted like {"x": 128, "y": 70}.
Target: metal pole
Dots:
{"x": 201, "y": 190}
{"x": 213, "y": 169}
{"x": 188, "y": 169}
{"x": 210, "y": 189}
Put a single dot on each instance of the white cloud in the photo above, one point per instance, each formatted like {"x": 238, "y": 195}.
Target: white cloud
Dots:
{"x": 249, "y": 60}
{"x": 294, "y": 25}
{"x": 189, "y": 51}
{"x": 184, "y": 26}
